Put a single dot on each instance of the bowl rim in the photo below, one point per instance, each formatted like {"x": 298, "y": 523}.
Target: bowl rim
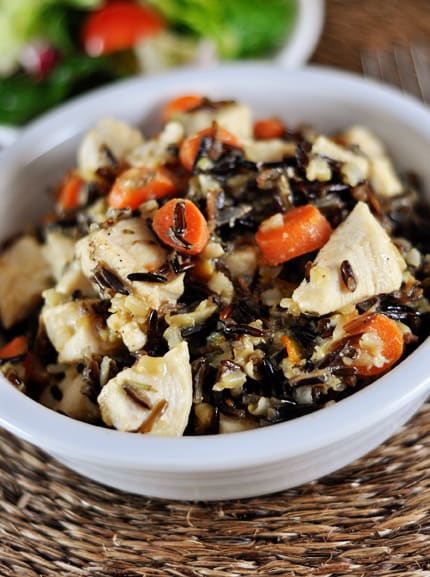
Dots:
{"x": 304, "y": 35}
{"x": 62, "y": 435}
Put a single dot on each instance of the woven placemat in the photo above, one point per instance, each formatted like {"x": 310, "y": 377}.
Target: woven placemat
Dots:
{"x": 369, "y": 520}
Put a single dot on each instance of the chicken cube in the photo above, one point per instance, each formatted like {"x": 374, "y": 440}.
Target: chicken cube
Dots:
{"x": 234, "y": 117}
{"x": 24, "y": 275}
{"x": 110, "y": 137}
{"x": 77, "y": 331}
{"x": 68, "y": 397}
{"x": 58, "y": 251}
{"x": 153, "y": 396}
{"x": 361, "y": 244}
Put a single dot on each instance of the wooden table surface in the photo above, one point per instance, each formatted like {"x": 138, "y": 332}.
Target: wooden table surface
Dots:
{"x": 355, "y": 25}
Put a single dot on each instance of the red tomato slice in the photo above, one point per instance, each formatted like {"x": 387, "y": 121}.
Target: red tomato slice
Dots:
{"x": 119, "y": 25}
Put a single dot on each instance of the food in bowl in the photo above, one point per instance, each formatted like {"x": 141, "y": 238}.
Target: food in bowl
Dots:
{"x": 224, "y": 274}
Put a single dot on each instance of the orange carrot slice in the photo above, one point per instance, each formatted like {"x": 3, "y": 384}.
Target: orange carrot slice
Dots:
{"x": 180, "y": 225}
{"x": 283, "y": 237}
{"x": 139, "y": 184}
{"x": 292, "y": 348}
{"x": 180, "y": 105}
{"x": 380, "y": 343}
{"x": 68, "y": 197}
{"x": 14, "y": 348}
{"x": 268, "y": 128}
{"x": 190, "y": 146}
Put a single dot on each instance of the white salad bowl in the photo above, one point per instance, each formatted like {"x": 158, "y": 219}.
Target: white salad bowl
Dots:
{"x": 252, "y": 462}
{"x": 304, "y": 35}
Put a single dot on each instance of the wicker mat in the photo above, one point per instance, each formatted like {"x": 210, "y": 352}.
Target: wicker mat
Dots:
{"x": 369, "y": 520}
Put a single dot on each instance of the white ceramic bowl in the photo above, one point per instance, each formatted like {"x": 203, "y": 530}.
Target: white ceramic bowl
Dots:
{"x": 247, "y": 463}
{"x": 305, "y": 34}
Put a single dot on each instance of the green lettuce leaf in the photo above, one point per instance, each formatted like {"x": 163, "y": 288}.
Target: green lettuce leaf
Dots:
{"x": 239, "y": 28}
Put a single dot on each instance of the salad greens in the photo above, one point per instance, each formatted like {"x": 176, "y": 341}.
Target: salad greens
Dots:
{"x": 23, "y": 20}
{"x": 50, "y": 31}
{"x": 239, "y": 28}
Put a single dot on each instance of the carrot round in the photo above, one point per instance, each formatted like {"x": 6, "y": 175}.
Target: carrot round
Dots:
{"x": 139, "y": 184}
{"x": 14, "y": 348}
{"x": 285, "y": 236}
{"x": 268, "y": 128}
{"x": 292, "y": 349}
{"x": 180, "y": 225}
{"x": 380, "y": 343}
{"x": 179, "y": 105}
{"x": 68, "y": 197}
{"x": 190, "y": 146}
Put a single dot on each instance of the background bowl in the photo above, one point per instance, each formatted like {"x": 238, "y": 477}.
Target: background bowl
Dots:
{"x": 305, "y": 34}
{"x": 252, "y": 462}
{"x": 299, "y": 44}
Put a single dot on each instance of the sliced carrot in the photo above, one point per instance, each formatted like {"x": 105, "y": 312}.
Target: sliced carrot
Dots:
{"x": 180, "y": 105}
{"x": 380, "y": 343}
{"x": 287, "y": 235}
{"x": 268, "y": 128}
{"x": 139, "y": 184}
{"x": 180, "y": 225}
{"x": 68, "y": 197}
{"x": 190, "y": 146}
{"x": 14, "y": 348}
{"x": 294, "y": 353}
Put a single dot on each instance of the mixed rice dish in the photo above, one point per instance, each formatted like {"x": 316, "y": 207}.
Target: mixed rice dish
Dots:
{"x": 225, "y": 274}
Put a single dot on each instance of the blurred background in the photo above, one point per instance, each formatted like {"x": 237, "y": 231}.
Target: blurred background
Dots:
{"x": 53, "y": 50}
{"x": 354, "y": 26}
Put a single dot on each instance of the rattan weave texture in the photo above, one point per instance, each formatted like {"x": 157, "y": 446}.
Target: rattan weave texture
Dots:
{"x": 370, "y": 519}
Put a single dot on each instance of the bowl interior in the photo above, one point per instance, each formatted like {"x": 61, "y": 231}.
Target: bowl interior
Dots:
{"x": 326, "y": 99}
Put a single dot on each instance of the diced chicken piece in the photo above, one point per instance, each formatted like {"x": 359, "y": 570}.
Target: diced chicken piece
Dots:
{"x": 153, "y": 396}
{"x": 177, "y": 322}
{"x": 220, "y": 284}
{"x": 76, "y": 331}
{"x": 133, "y": 331}
{"x": 69, "y": 398}
{"x": 375, "y": 262}
{"x": 234, "y": 117}
{"x": 129, "y": 313}
{"x": 126, "y": 247}
{"x": 59, "y": 251}
{"x": 73, "y": 280}
{"x": 383, "y": 177}
{"x": 355, "y": 167}
{"x": 368, "y": 143}
{"x": 158, "y": 151}
{"x": 24, "y": 275}
{"x": 110, "y": 136}
{"x": 382, "y": 173}
{"x": 318, "y": 169}
{"x": 272, "y": 150}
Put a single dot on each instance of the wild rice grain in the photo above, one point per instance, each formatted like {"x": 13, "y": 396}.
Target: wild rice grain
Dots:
{"x": 348, "y": 276}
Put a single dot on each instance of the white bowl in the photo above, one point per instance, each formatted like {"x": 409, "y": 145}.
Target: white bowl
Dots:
{"x": 304, "y": 35}
{"x": 247, "y": 463}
